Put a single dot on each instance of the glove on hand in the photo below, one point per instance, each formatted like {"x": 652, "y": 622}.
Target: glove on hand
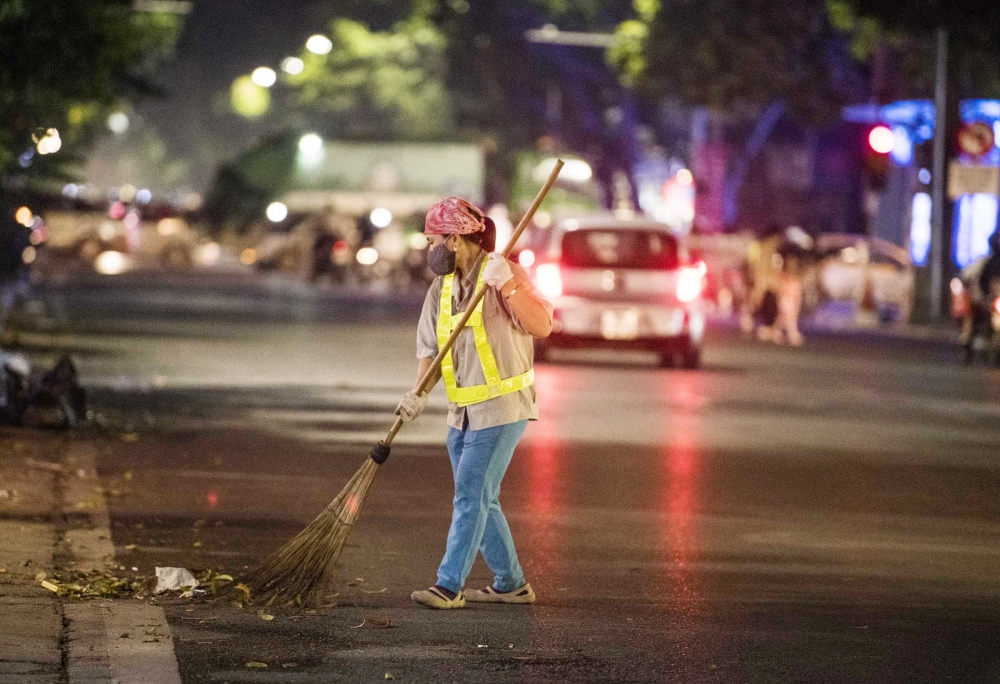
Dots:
{"x": 497, "y": 271}
{"x": 411, "y": 406}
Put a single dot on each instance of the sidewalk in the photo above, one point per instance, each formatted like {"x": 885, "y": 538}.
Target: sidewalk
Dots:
{"x": 53, "y": 518}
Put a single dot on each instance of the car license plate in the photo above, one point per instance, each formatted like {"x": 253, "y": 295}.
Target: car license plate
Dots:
{"x": 620, "y": 325}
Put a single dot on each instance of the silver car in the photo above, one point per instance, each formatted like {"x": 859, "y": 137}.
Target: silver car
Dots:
{"x": 621, "y": 284}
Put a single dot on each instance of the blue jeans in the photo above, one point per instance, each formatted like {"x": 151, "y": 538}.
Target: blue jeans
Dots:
{"x": 479, "y": 459}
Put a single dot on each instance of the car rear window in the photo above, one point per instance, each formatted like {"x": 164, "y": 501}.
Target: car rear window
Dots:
{"x": 619, "y": 248}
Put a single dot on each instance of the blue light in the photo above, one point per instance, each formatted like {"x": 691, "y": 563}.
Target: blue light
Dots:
{"x": 902, "y": 150}
{"x": 975, "y": 221}
{"x": 920, "y": 228}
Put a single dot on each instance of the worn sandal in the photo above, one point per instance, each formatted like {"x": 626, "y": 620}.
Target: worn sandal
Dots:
{"x": 435, "y": 598}
{"x": 523, "y": 594}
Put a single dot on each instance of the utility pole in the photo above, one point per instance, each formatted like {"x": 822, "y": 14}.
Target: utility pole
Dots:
{"x": 937, "y": 189}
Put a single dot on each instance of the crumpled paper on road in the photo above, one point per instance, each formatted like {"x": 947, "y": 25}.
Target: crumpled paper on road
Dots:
{"x": 174, "y": 579}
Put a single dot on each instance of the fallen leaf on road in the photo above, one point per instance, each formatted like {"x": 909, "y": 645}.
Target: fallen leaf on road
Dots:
{"x": 265, "y": 617}
{"x": 245, "y": 590}
{"x": 130, "y": 437}
{"x": 374, "y": 591}
{"x": 289, "y": 664}
{"x": 388, "y": 675}
{"x": 254, "y": 663}
{"x": 381, "y": 624}
{"x": 43, "y": 465}
{"x": 3, "y": 570}
{"x": 51, "y": 587}
{"x": 130, "y": 547}
{"x": 357, "y": 626}
{"x": 128, "y": 475}
{"x": 40, "y": 576}
{"x": 150, "y": 640}
{"x": 123, "y": 635}
{"x": 196, "y": 544}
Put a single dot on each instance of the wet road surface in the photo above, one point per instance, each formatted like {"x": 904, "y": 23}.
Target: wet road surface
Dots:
{"x": 827, "y": 514}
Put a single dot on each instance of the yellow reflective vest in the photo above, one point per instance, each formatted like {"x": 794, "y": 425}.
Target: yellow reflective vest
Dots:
{"x": 495, "y": 385}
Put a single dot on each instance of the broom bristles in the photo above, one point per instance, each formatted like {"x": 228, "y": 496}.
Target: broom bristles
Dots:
{"x": 300, "y": 570}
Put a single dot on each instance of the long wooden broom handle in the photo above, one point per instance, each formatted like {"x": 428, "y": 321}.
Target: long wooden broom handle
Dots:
{"x": 432, "y": 371}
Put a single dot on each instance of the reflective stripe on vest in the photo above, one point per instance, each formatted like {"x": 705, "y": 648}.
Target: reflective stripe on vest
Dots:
{"x": 495, "y": 386}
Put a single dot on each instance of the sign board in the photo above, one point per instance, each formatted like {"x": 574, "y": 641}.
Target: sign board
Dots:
{"x": 975, "y": 139}
{"x": 964, "y": 179}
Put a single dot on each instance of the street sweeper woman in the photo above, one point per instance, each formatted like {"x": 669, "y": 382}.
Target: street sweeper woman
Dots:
{"x": 489, "y": 379}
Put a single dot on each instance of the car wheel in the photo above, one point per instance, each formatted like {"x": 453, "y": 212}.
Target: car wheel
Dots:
{"x": 691, "y": 358}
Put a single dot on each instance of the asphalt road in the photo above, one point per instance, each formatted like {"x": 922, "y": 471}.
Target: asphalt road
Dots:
{"x": 825, "y": 514}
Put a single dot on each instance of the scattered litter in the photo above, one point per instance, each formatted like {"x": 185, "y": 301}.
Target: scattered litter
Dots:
{"x": 127, "y": 476}
{"x": 3, "y": 570}
{"x": 381, "y": 624}
{"x": 130, "y": 547}
{"x": 510, "y": 645}
{"x": 172, "y": 579}
{"x": 81, "y": 473}
{"x": 859, "y": 626}
{"x": 130, "y": 437}
{"x": 40, "y": 576}
{"x": 254, "y": 663}
{"x": 484, "y": 645}
{"x": 197, "y": 544}
{"x": 363, "y": 621}
{"x": 4, "y": 494}
{"x": 374, "y": 591}
{"x": 135, "y": 569}
{"x": 123, "y": 635}
{"x": 51, "y": 587}
{"x": 388, "y": 675}
{"x": 289, "y": 664}
{"x": 265, "y": 617}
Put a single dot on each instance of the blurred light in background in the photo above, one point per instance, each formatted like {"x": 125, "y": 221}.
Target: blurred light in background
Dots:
{"x": 207, "y": 254}
{"x": 131, "y": 220}
{"x": 126, "y": 193}
{"x": 902, "y": 149}
{"x": 292, "y": 66}
{"x": 924, "y": 176}
{"x": 310, "y": 143}
{"x": 975, "y": 220}
{"x": 575, "y": 170}
{"x": 920, "y": 228}
{"x": 169, "y": 226}
{"x": 24, "y": 216}
{"x": 264, "y": 77}
{"x": 71, "y": 190}
{"x": 144, "y": 196}
{"x": 882, "y": 139}
{"x": 367, "y": 256}
{"x": 38, "y": 235}
{"x": 248, "y": 256}
{"x": 248, "y": 99}
{"x": 277, "y": 212}
{"x": 118, "y": 123}
{"x": 526, "y": 258}
{"x": 110, "y": 263}
{"x": 50, "y": 143}
{"x": 381, "y": 217}
{"x": 107, "y": 231}
{"x": 116, "y": 211}
{"x": 543, "y": 219}
{"x": 319, "y": 45}
{"x": 24, "y": 161}
{"x": 549, "y": 280}
{"x": 417, "y": 241}
{"x": 28, "y": 255}
{"x": 684, "y": 177}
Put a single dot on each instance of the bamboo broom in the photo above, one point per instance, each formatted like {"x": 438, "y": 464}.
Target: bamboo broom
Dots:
{"x": 300, "y": 570}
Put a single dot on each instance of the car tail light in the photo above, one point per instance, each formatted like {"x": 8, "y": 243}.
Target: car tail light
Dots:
{"x": 549, "y": 280}
{"x": 689, "y": 284}
{"x": 996, "y": 305}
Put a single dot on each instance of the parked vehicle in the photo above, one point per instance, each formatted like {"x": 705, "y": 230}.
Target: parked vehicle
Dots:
{"x": 869, "y": 272}
{"x": 622, "y": 284}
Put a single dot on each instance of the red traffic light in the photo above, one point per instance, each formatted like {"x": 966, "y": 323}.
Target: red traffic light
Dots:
{"x": 882, "y": 139}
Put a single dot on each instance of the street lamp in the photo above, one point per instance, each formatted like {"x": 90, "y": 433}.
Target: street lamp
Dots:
{"x": 264, "y": 77}
{"x": 319, "y": 45}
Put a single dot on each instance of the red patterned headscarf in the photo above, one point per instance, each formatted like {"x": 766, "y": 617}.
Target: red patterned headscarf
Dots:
{"x": 454, "y": 215}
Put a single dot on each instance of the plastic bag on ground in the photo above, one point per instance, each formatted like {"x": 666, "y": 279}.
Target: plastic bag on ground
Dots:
{"x": 174, "y": 579}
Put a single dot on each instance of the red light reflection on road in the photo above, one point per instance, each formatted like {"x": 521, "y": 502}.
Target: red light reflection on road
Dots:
{"x": 679, "y": 500}
{"x": 212, "y": 499}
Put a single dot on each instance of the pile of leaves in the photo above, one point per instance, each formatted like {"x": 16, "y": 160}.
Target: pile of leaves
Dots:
{"x": 106, "y": 584}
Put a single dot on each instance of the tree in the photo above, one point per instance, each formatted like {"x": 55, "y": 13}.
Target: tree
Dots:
{"x": 735, "y": 56}
{"x": 376, "y": 84}
{"x": 64, "y": 65}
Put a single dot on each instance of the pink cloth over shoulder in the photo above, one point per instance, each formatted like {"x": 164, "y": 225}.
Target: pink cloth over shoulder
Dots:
{"x": 454, "y": 215}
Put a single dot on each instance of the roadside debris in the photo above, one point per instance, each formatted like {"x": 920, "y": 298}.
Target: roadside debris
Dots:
{"x": 173, "y": 579}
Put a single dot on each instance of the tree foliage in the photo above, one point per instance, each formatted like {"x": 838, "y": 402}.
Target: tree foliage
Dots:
{"x": 731, "y": 55}
{"x": 65, "y": 63}
{"x": 378, "y": 84}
